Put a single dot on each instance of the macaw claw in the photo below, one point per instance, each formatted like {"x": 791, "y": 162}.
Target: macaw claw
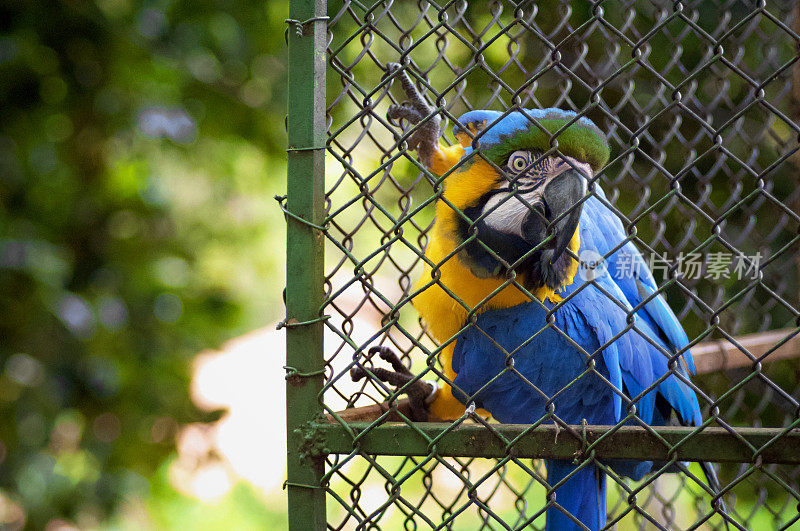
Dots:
{"x": 419, "y": 113}
{"x": 418, "y": 391}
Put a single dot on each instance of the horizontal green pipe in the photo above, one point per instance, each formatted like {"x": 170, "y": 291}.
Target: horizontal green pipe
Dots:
{"x": 628, "y": 442}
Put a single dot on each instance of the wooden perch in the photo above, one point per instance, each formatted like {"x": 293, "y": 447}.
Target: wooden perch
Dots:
{"x": 372, "y": 412}
{"x": 721, "y": 354}
{"x": 709, "y": 356}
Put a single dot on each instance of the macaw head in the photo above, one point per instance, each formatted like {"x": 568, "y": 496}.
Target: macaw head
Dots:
{"x": 520, "y": 199}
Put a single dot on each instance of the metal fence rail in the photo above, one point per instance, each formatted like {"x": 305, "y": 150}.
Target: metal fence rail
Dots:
{"x": 699, "y": 101}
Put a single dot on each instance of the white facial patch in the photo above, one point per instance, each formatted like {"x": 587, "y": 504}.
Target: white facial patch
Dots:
{"x": 507, "y": 210}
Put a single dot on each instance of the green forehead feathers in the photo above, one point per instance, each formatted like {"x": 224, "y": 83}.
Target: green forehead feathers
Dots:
{"x": 581, "y": 140}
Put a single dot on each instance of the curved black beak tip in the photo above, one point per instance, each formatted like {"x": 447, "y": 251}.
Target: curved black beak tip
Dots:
{"x": 563, "y": 197}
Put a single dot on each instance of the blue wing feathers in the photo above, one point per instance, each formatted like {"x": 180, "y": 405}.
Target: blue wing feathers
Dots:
{"x": 630, "y": 272}
{"x": 544, "y": 366}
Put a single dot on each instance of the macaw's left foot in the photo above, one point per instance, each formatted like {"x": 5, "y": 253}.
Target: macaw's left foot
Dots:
{"x": 418, "y": 391}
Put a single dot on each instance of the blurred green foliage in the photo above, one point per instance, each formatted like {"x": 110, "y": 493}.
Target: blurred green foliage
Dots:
{"x": 140, "y": 147}
{"x": 141, "y": 143}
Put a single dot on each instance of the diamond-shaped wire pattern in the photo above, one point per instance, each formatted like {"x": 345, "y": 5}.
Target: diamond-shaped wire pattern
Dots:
{"x": 698, "y": 101}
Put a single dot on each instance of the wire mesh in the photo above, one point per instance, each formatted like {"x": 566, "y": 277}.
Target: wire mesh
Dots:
{"x": 698, "y": 101}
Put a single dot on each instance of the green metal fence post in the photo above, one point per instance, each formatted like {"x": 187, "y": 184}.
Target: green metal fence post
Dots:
{"x": 304, "y": 260}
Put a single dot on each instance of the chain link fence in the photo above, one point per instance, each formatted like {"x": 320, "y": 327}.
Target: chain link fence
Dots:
{"x": 699, "y": 101}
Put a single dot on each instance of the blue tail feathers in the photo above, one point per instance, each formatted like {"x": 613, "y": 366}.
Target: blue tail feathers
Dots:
{"x": 583, "y": 496}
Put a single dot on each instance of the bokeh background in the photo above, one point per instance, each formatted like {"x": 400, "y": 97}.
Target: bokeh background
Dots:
{"x": 141, "y": 145}
{"x": 141, "y": 249}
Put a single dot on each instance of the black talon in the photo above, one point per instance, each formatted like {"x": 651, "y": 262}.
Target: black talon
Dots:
{"x": 391, "y": 68}
{"x": 417, "y": 112}
{"x": 401, "y": 112}
{"x": 417, "y": 392}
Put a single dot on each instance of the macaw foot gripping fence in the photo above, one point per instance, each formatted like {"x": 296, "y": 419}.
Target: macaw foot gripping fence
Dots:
{"x": 699, "y": 102}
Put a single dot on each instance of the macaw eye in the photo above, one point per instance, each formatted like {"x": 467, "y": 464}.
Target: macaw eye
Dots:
{"x": 518, "y": 161}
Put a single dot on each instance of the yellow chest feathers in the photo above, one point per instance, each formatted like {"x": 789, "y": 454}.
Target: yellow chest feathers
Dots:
{"x": 443, "y": 313}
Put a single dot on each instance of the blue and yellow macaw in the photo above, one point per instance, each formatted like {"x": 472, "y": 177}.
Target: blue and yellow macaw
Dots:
{"x": 514, "y": 209}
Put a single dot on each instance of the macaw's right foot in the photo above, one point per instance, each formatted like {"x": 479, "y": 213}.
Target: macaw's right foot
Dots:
{"x": 418, "y": 391}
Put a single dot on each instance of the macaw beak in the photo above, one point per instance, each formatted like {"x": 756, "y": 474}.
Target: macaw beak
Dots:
{"x": 511, "y": 225}
{"x": 556, "y": 216}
